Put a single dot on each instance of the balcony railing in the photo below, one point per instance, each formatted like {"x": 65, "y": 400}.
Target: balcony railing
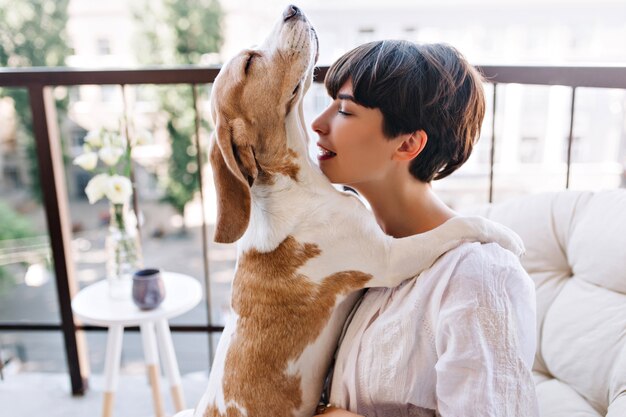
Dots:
{"x": 39, "y": 83}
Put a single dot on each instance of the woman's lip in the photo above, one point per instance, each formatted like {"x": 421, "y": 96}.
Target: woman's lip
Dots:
{"x": 324, "y": 157}
{"x": 325, "y": 148}
{"x": 324, "y": 153}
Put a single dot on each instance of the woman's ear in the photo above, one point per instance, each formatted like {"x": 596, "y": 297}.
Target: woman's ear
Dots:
{"x": 411, "y": 145}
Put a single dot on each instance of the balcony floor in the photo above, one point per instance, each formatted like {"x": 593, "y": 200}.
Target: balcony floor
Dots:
{"x": 49, "y": 394}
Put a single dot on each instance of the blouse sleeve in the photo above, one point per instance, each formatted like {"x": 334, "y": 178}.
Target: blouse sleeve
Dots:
{"x": 485, "y": 340}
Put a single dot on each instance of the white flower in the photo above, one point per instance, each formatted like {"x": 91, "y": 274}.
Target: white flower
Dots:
{"x": 96, "y": 187}
{"x": 114, "y": 140}
{"x": 87, "y": 161}
{"x": 142, "y": 137}
{"x": 110, "y": 155}
{"x": 118, "y": 189}
{"x": 94, "y": 138}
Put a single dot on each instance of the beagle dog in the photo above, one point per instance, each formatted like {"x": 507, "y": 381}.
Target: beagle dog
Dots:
{"x": 304, "y": 249}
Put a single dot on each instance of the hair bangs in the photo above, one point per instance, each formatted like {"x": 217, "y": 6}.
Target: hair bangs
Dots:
{"x": 357, "y": 66}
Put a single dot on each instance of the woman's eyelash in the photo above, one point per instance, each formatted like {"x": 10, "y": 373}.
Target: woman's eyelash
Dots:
{"x": 343, "y": 112}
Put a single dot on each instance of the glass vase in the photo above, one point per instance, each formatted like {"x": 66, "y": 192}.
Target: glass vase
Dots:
{"x": 123, "y": 251}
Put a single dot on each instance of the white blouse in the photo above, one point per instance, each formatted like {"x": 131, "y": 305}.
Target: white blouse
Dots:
{"x": 458, "y": 340}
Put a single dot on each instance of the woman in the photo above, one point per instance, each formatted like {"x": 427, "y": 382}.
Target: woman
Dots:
{"x": 459, "y": 339}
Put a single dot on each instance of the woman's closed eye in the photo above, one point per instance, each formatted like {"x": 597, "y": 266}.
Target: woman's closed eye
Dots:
{"x": 344, "y": 113}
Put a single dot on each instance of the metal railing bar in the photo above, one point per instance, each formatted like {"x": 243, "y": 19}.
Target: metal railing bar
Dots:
{"x": 14, "y": 327}
{"x": 23, "y": 257}
{"x": 205, "y": 237}
{"x": 55, "y": 201}
{"x": 28, "y": 327}
{"x": 41, "y": 239}
{"x": 570, "y": 138}
{"x": 15, "y": 248}
{"x": 492, "y": 151}
{"x": 23, "y": 77}
{"x": 126, "y": 121}
{"x": 572, "y": 76}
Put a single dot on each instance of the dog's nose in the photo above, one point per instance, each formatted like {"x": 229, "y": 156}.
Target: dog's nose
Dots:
{"x": 290, "y": 12}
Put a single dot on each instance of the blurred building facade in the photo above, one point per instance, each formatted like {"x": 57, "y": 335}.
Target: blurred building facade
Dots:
{"x": 532, "y": 124}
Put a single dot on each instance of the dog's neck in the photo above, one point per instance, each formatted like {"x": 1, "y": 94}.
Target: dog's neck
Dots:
{"x": 310, "y": 177}
{"x": 277, "y": 207}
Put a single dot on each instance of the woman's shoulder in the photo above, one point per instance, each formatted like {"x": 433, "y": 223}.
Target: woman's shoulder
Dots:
{"x": 492, "y": 255}
{"x": 483, "y": 271}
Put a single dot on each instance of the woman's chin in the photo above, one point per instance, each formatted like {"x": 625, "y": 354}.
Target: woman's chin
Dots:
{"x": 332, "y": 178}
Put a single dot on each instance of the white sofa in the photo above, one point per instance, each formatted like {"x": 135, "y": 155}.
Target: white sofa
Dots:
{"x": 576, "y": 254}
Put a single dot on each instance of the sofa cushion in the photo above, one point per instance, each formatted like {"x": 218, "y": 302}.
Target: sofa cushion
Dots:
{"x": 597, "y": 246}
{"x": 557, "y": 399}
{"x": 576, "y": 254}
{"x": 582, "y": 341}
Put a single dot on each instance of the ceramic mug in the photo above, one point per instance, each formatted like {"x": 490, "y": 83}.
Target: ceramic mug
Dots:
{"x": 148, "y": 288}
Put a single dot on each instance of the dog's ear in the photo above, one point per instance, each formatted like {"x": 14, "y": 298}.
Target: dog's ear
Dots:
{"x": 234, "y": 171}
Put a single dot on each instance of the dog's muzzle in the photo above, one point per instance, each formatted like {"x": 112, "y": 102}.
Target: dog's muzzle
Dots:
{"x": 290, "y": 12}
{"x": 294, "y": 12}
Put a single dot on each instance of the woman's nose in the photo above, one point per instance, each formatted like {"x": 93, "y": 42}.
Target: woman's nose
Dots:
{"x": 320, "y": 125}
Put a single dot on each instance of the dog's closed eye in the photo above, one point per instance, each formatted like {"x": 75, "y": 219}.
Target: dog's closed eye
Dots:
{"x": 249, "y": 62}
{"x": 295, "y": 90}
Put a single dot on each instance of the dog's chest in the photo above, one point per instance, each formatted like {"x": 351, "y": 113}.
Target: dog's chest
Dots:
{"x": 280, "y": 316}
{"x": 270, "y": 294}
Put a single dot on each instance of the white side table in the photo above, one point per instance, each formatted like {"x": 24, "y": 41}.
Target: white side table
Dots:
{"x": 93, "y": 305}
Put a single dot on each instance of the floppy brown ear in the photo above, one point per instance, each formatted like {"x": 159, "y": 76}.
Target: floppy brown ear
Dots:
{"x": 234, "y": 171}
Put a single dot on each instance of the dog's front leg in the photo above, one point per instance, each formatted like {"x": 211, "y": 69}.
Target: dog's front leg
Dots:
{"x": 409, "y": 256}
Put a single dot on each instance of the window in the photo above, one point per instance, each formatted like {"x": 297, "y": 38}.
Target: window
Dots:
{"x": 108, "y": 93}
{"x": 366, "y": 34}
{"x": 529, "y": 150}
{"x": 74, "y": 91}
{"x": 103, "y": 46}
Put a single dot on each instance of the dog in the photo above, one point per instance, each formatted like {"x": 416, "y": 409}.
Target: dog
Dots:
{"x": 304, "y": 249}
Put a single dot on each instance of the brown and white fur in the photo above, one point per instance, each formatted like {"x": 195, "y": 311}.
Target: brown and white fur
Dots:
{"x": 304, "y": 248}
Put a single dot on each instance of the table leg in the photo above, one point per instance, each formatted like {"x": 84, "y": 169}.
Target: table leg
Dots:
{"x": 152, "y": 363}
{"x": 112, "y": 367}
{"x": 170, "y": 365}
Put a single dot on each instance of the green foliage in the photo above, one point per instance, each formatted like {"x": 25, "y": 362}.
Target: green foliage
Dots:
{"x": 12, "y": 226}
{"x": 179, "y": 33}
{"x": 183, "y": 181}
{"x": 32, "y": 33}
{"x": 197, "y": 28}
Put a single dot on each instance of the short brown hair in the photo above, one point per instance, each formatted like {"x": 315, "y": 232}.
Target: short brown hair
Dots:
{"x": 428, "y": 87}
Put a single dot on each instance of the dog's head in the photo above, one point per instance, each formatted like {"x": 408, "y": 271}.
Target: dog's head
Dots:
{"x": 250, "y": 100}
